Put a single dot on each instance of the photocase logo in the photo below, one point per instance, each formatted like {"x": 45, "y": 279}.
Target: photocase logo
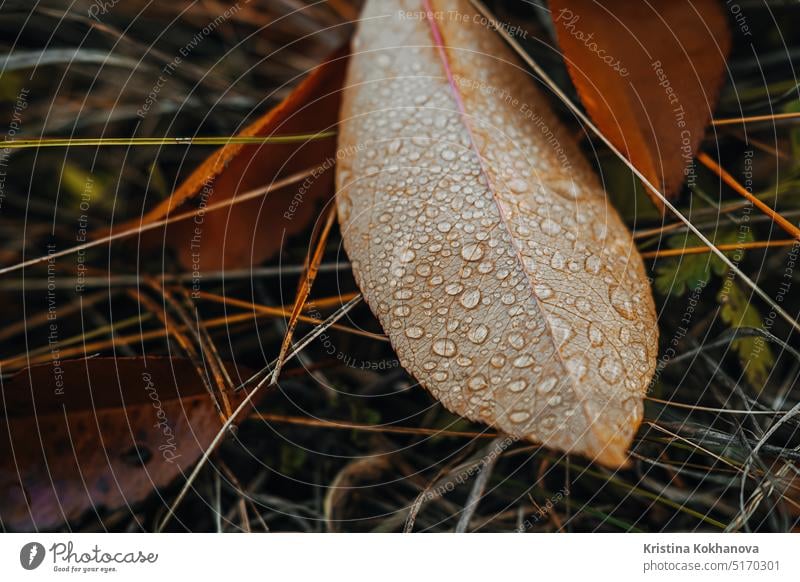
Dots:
{"x": 31, "y": 555}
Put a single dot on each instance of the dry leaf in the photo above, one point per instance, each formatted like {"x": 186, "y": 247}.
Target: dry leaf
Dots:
{"x": 482, "y": 240}
{"x": 250, "y": 232}
{"x": 100, "y": 432}
{"x": 649, "y": 74}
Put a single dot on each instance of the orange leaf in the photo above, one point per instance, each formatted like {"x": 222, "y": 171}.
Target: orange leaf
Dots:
{"x": 100, "y": 432}
{"x": 649, "y": 74}
{"x": 251, "y": 232}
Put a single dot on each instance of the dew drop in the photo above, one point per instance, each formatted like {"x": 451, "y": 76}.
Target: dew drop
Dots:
{"x": 477, "y": 383}
{"x": 519, "y": 416}
{"x": 345, "y": 206}
{"x": 471, "y": 252}
{"x": 407, "y": 256}
{"x": 593, "y": 264}
{"x": 621, "y": 301}
{"x": 516, "y": 340}
{"x": 508, "y": 298}
{"x": 523, "y": 361}
{"x": 546, "y": 385}
{"x": 415, "y": 332}
{"x": 557, "y": 261}
{"x": 583, "y": 305}
{"x": 498, "y": 360}
{"x": 478, "y": 334}
{"x": 611, "y": 369}
{"x": 550, "y": 227}
{"x": 517, "y": 385}
{"x": 445, "y": 348}
{"x": 470, "y": 298}
{"x": 595, "y": 335}
{"x": 543, "y": 291}
{"x": 518, "y": 185}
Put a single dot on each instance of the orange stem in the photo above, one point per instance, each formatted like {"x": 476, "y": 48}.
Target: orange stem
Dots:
{"x": 338, "y": 424}
{"x": 661, "y": 253}
{"x": 755, "y": 118}
{"x": 744, "y": 192}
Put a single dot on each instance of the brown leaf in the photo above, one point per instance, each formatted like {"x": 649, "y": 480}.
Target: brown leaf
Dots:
{"x": 100, "y": 432}
{"x": 482, "y": 240}
{"x": 649, "y": 74}
{"x": 250, "y": 232}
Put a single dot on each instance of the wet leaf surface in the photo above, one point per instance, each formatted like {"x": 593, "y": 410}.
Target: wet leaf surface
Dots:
{"x": 482, "y": 240}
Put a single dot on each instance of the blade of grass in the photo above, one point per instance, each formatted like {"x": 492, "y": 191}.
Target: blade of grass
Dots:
{"x": 71, "y": 142}
{"x": 289, "y": 180}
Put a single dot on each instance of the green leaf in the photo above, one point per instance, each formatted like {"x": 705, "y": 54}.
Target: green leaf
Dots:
{"x": 679, "y": 275}
{"x": 292, "y": 459}
{"x": 10, "y": 86}
{"x": 626, "y": 191}
{"x": 754, "y": 353}
{"x": 84, "y": 189}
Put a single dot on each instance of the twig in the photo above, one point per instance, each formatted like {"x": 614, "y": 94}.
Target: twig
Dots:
{"x": 755, "y": 118}
{"x": 304, "y": 291}
{"x": 344, "y": 425}
{"x": 663, "y": 253}
{"x": 790, "y": 228}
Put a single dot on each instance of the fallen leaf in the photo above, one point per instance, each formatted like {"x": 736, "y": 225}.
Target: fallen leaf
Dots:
{"x": 482, "y": 240}
{"x": 99, "y": 432}
{"x": 250, "y": 232}
{"x": 649, "y": 74}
